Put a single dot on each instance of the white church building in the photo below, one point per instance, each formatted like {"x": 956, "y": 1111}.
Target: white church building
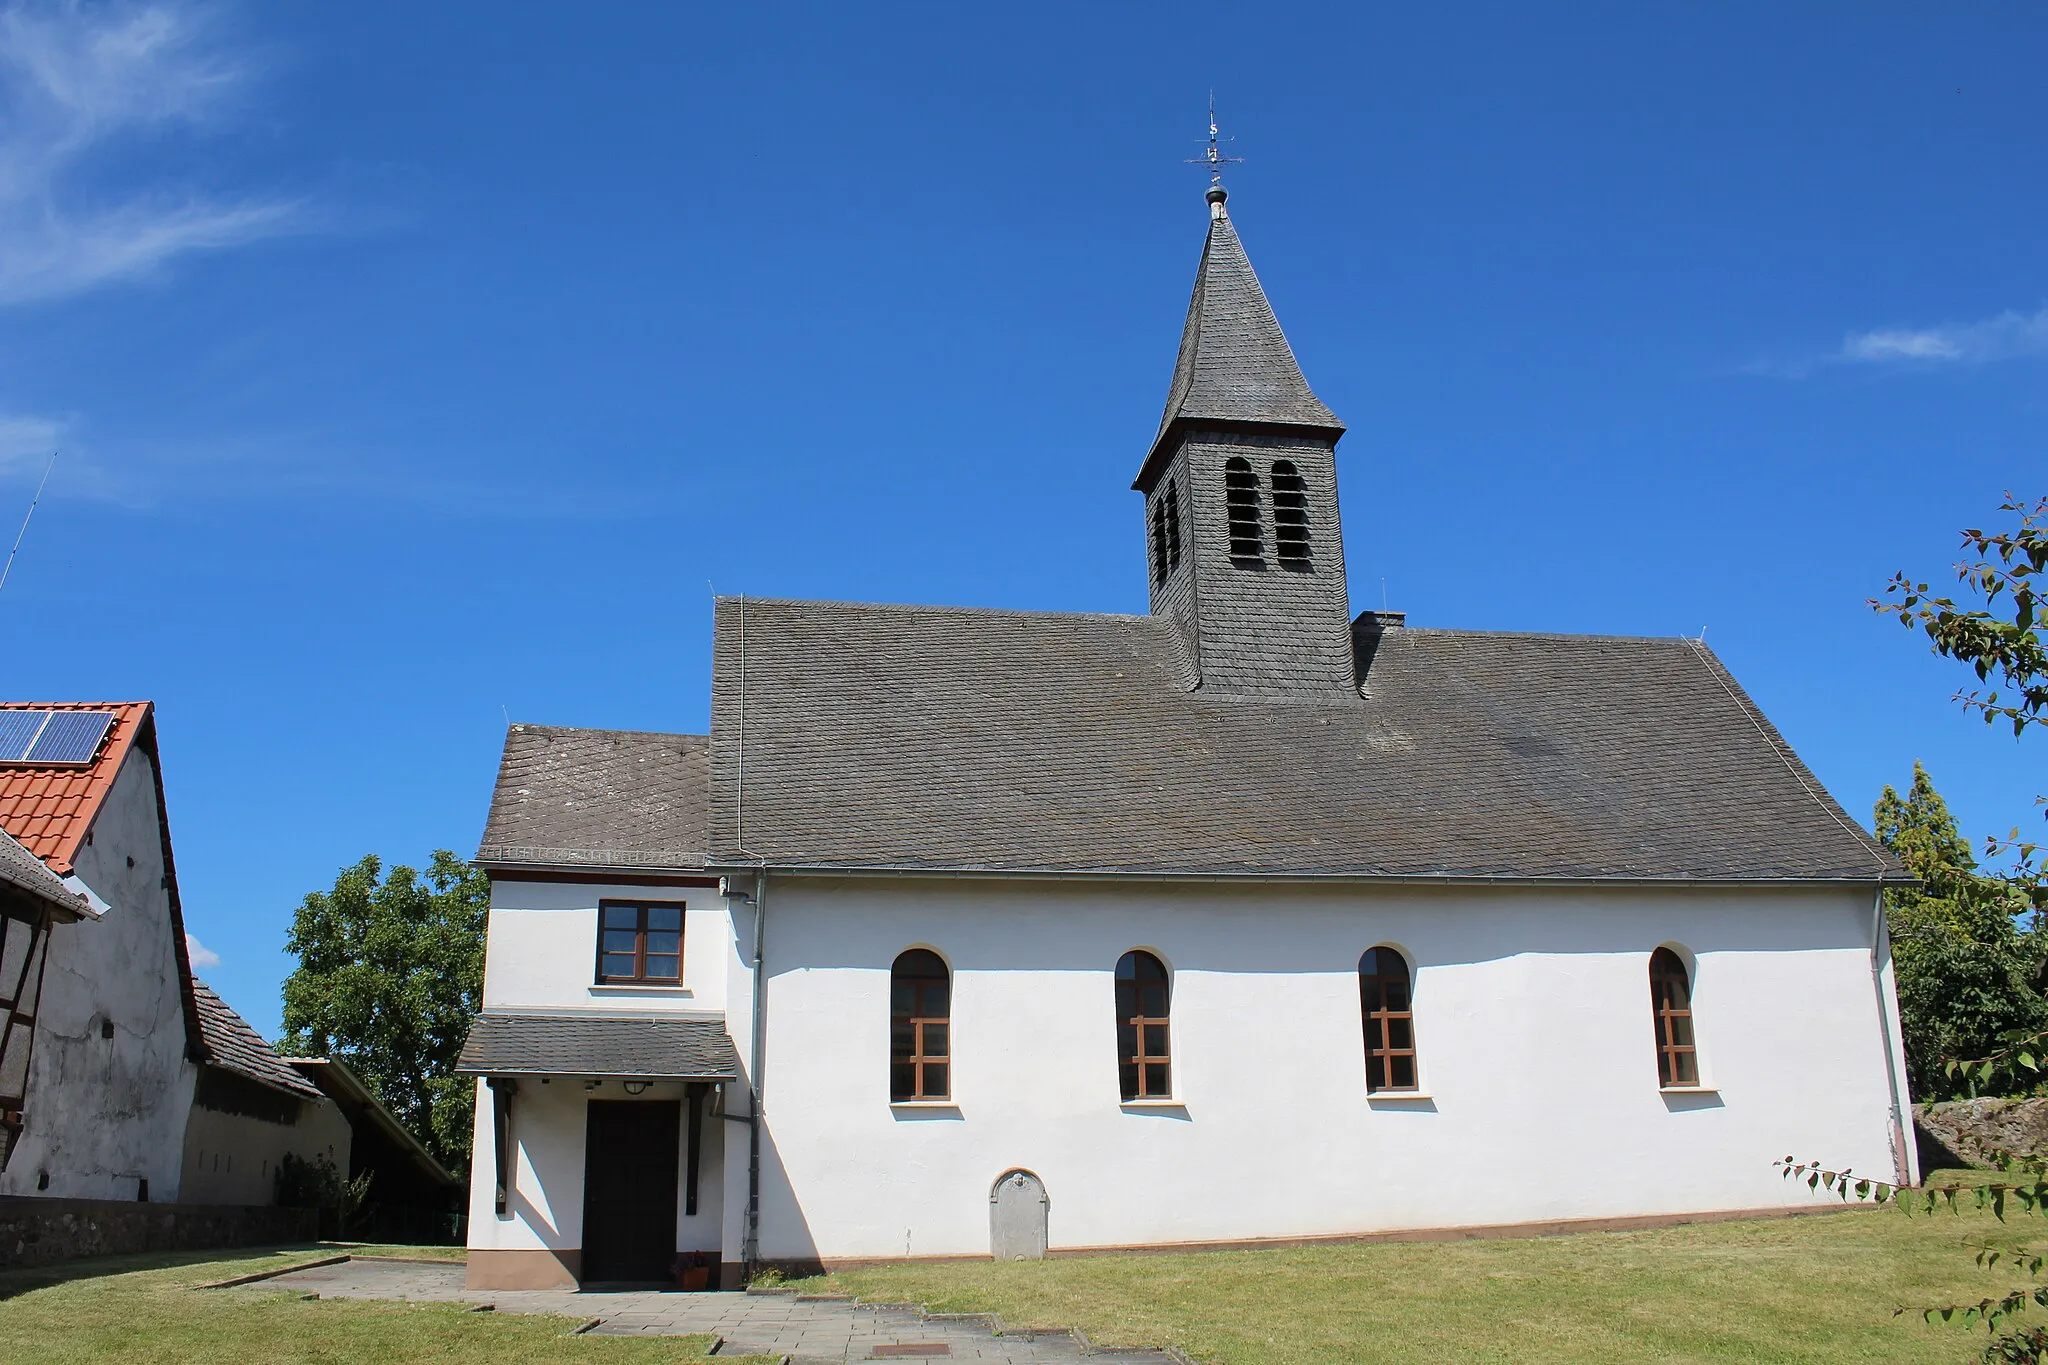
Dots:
{"x": 971, "y": 932}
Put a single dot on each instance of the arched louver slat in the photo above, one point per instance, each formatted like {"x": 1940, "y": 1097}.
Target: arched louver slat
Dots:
{"x": 1242, "y": 508}
{"x": 1290, "y": 517}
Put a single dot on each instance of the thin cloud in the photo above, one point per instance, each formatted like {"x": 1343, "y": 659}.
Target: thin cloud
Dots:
{"x": 2008, "y": 336}
{"x": 2005, "y": 337}
{"x": 79, "y": 82}
{"x": 27, "y": 440}
{"x": 198, "y": 954}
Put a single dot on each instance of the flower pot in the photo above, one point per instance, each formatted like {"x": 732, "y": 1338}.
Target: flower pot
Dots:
{"x": 694, "y": 1277}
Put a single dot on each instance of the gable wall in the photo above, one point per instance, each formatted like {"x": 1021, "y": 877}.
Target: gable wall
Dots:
{"x": 104, "y": 1114}
{"x": 1533, "y": 1019}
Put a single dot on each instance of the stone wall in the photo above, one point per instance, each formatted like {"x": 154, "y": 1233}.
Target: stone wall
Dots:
{"x": 35, "y": 1231}
{"x": 1971, "y": 1131}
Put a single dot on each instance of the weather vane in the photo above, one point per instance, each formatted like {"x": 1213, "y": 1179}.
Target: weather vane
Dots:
{"x": 1212, "y": 155}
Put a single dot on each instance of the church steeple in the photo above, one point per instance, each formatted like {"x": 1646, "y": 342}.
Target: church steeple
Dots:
{"x": 1240, "y": 488}
{"x": 1235, "y": 365}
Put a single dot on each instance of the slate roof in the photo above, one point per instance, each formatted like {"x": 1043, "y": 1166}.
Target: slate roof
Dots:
{"x": 233, "y": 1046}
{"x": 1235, "y": 365}
{"x": 605, "y": 798}
{"x": 25, "y": 872}
{"x": 945, "y": 738}
{"x": 644, "y": 1046}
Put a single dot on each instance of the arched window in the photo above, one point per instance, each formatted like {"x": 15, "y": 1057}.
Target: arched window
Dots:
{"x": 1389, "y": 1012}
{"x": 1290, "y": 517}
{"x": 1143, "y": 1048}
{"x": 1241, "y": 507}
{"x": 920, "y": 1009}
{"x": 1671, "y": 1009}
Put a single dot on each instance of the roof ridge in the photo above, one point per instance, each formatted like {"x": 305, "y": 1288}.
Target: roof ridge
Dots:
{"x": 937, "y": 608}
{"x": 524, "y": 725}
{"x": 1538, "y": 634}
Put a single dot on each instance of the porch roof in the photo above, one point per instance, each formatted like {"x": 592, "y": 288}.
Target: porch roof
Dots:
{"x": 654, "y": 1047}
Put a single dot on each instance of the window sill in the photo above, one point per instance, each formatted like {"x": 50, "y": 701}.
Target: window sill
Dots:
{"x": 1153, "y": 1102}
{"x": 638, "y": 988}
{"x": 1385, "y": 1096}
{"x": 924, "y": 1104}
{"x": 1688, "y": 1089}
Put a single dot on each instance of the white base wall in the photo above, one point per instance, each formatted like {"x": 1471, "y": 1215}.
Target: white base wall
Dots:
{"x": 1532, "y": 1012}
{"x": 544, "y": 1210}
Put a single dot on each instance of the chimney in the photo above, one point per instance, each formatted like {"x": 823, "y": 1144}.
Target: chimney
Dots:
{"x": 1367, "y": 631}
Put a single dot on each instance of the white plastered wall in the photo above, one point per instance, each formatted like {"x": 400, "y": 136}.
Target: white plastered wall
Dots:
{"x": 233, "y": 1158}
{"x": 541, "y": 953}
{"x": 544, "y": 1207}
{"x": 1533, "y": 1022}
{"x": 104, "y": 1114}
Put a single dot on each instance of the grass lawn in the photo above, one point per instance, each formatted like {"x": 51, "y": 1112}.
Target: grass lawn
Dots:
{"x": 1818, "y": 1289}
{"x": 146, "y": 1310}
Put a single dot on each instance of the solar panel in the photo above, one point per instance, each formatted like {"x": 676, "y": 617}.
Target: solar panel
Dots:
{"x": 70, "y": 737}
{"x": 18, "y": 731}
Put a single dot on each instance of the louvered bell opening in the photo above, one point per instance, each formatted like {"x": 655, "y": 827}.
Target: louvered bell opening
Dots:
{"x": 1241, "y": 508}
{"x": 1290, "y": 518}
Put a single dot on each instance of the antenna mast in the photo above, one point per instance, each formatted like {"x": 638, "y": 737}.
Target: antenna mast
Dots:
{"x": 8, "y": 568}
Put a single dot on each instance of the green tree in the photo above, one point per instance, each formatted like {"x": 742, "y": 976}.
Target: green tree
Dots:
{"x": 1965, "y": 971}
{"x": 2002, "y": 634}
{"x": 390, "y": 973}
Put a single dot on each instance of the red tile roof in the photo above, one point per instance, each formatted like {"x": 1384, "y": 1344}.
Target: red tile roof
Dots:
{"x": 49, "y": 809}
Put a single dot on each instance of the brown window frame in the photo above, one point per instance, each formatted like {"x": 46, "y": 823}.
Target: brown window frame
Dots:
{"x": 1678, "y": 1053}
{"x": 1135, "y": 1021}
{"x": 1380, "y": 1017}
{"x": 921, "y": 1016}
{"x": 640, "y": 932}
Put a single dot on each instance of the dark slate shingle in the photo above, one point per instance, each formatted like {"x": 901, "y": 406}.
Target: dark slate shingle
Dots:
{"x": 938, "y": 738}
{"x": 649, "y": 1046}
{"x": 611, "y": 798}
{"x": 1235, "y": 365}
{"x": 233, "y": 1046}
{"x": 27, "y": 873}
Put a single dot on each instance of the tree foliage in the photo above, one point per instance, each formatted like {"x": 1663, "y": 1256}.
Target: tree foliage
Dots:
{"x": 1966, "y": 974}
{"x": 2002, "y": 634}
{"x": 390, "y": 974}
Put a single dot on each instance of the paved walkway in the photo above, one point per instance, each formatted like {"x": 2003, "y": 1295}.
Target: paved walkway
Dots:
{"x": 809, "y": 1331}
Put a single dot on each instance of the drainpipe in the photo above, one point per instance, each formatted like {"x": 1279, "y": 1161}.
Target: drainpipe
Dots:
{"x": 752, "y": 1250}
{"x": 1902, "y": 1169}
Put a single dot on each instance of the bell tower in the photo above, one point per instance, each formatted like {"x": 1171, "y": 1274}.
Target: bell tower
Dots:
{"x": 1243, "y": 544}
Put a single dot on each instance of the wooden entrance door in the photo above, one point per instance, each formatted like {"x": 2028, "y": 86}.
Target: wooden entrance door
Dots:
{"x": 630, "y": 1154}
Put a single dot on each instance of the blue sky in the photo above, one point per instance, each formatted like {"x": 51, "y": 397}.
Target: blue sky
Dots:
{"x": 417, "y": 366}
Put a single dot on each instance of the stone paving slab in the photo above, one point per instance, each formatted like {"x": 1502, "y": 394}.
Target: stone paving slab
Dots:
{"x": 821, "y": 1330}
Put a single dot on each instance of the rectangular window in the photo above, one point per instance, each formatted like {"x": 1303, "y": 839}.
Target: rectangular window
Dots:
{"x": 640, "y": 942}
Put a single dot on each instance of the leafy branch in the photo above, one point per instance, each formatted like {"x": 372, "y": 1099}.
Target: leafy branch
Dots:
{"x": 2010, "y": 645}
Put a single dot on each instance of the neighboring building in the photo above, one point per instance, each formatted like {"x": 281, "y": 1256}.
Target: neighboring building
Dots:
{"x": 250, "y": 1108}
{"x": 110, "y": 1080}
{"x": 1241, "y": 920}
{"x": 33, "y": 901}
{"x": 140, "y": 1082}
{"x": 412, "y": 1198}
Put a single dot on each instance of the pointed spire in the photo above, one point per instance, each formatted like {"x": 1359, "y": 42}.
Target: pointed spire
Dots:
{"x": 1235, "y": 366}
